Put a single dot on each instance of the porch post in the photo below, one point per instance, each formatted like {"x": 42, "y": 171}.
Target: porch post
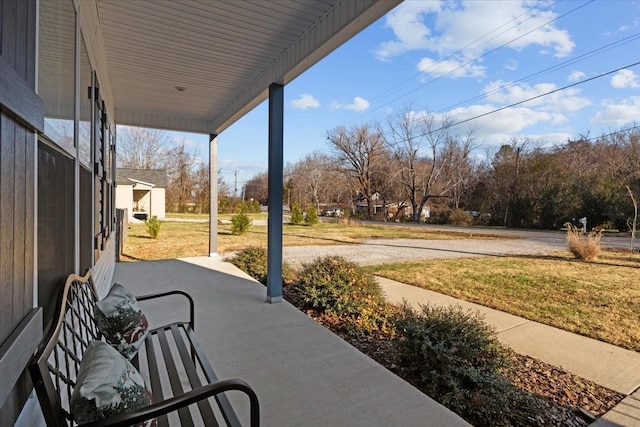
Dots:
{"x": 213, "y": 195}
{"x": 274, "y": 223}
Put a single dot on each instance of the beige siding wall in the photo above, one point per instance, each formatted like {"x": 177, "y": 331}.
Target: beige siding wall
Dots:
{"x": 158, "y": 203}
{"x": 124, "y": 198}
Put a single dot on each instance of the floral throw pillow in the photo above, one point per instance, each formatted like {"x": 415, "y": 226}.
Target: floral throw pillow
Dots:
{"x": 121, "y": 321}
{"x": 107, "y": 384}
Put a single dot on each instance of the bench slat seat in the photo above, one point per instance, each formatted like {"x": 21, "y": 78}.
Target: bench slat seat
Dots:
{"x": 171, "y": 361}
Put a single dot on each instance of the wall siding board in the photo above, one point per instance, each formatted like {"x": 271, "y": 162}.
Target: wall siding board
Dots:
{"x": 7, "y": 189}
{"x": 29, "y": 215}
{"x": 21, "y": 40}
{"x": 32, "y": 14}
{"x": 19, "y": 98}
{"x": 21, "y": 111}
{"x": 1, "y": 8}
{"x": 19, "y": 231}
{"x": 9, "y": 20}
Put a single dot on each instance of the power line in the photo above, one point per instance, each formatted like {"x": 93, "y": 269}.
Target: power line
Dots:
{"x": 447, "y": 58}
{"x": 547, "y": 70}
{"x": 527, "y": 100}
{"x": 595, "y": 138}
{"x": 483, "y": 55}
{"x": 389, "y": 91}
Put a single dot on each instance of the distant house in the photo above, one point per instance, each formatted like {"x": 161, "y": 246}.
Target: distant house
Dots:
{"x": 362, "y": 204}
{"x": 141, "y": 192}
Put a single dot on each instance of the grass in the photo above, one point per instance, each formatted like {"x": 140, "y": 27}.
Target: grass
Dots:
{"x": 600, "y": 299}
{"x": 584, "y": 247}
{"x": 185, "y": 239}
{"x": 205, "y": 217}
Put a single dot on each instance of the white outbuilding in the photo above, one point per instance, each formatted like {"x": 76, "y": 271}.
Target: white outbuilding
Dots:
{"x": 141, "y": 192}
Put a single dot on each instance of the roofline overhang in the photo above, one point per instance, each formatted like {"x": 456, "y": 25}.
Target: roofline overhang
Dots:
{"x": 347, "y": 16}
{"x": 343, "y": 21}
{"x": 137, "y": 181}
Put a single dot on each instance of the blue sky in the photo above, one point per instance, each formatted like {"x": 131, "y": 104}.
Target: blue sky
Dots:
{"x": 462, "y": 58}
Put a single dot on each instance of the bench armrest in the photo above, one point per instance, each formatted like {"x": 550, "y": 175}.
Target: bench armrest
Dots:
{"x": 169, "y": 293}
{"x": 166, "y": 406}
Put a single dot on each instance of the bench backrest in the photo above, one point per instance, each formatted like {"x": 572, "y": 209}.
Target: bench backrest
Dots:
{"x": 55, "y": 367}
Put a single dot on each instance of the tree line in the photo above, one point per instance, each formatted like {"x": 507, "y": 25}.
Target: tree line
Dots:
{"x": 411, "y": 162}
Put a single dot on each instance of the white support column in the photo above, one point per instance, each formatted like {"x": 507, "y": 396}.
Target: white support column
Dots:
{"x": 213, "y": 195}
{"x": 274, "y": 224}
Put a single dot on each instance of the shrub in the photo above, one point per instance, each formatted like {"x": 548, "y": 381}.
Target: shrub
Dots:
{"x": 586, "y": 248}
{"x": 335, "y": 286}
{"x": 459, "y": 217}
{"x": 240, "y": 223}
{"x": 297, "y": 217}
{"x": 249, "y": 206}
{"x": 312, "y": 215}
{"x": 253, "y": 261}
{"x": 454, "y": 357}
{"x": 153, "y": 225}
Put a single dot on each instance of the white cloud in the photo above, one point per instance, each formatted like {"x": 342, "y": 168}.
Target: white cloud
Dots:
{"x": 468, "y": 29}
{"x": 304, "y": 102}
{"x": 625, "y": 79}
{"x": 632, "y": 25}
{"x": 358, "y": 104}
{"x": 549, "y": 139}
{"x": 618, "y": 114}
{"x": 576, "y": 76}
{"x": 511, "y": 65}
{"x": 503, "y": 122}
{"x": 407, "y": 25}
{"x": 450, "y": 68}
{"x": 505, "y": 93}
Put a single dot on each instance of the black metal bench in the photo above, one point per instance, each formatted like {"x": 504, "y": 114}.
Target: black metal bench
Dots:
{"x": 174, "y": 366}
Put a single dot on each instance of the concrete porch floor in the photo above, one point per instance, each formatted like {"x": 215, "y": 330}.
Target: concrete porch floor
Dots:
{"x": 303, "y": 374}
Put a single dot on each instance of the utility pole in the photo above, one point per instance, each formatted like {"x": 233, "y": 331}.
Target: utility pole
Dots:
{"x": 235, "y": 184}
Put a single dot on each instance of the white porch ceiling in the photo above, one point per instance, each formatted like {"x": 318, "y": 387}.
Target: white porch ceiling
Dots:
{"x": 224, "y": 53}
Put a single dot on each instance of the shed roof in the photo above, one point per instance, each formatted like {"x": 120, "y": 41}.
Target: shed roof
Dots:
{"x": 157, "y": 177}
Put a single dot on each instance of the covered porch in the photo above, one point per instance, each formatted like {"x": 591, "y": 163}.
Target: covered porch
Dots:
{"x": 303, "y": 374}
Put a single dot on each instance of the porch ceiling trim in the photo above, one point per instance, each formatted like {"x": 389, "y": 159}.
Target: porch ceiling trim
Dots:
{"x": 346, "y": 19}
{"x": 226, "y": 53}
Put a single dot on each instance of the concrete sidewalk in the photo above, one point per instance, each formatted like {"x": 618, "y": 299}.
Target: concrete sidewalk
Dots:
{"x": 605, "y": 364}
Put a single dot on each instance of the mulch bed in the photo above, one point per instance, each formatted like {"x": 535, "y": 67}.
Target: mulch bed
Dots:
{"x": 570, "y": 400}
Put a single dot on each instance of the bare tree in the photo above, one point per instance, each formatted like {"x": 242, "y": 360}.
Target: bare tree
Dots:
{"x": 180, "y": 166}
{"x": 257, "y": 188}
{"x": 432, "y": 160}
{"x": 633, "y": 223}
{"x": 312, "y": 178}
{"x": 357, "y": 151}
{"x": 141, "y": 148}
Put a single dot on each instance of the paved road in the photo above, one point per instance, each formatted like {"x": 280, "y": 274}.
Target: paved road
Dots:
{"x": 553, "y": 237}
{"x": 379, "y": 251}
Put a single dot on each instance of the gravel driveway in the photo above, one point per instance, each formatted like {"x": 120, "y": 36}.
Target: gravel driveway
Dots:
{"x": 380, "y": 251}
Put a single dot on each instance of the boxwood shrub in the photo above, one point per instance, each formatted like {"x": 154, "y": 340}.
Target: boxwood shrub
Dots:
{"x": 456, "y": 358}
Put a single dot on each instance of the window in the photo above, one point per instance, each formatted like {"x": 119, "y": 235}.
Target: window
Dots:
{"x": 56, "y": 70}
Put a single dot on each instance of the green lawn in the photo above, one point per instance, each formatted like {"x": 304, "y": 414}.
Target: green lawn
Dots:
{"x": 599, "y": 300}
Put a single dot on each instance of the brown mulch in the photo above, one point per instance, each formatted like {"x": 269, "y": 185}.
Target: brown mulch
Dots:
{"x": 570, "y": 400}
